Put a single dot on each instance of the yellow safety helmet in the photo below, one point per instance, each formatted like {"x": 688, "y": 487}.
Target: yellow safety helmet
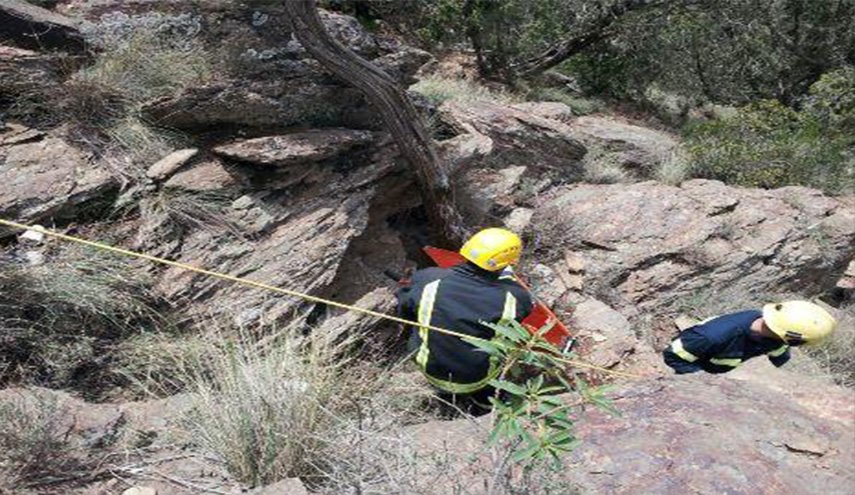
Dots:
{"x": 493, "y": 249}
{"x": 799, "y": 322}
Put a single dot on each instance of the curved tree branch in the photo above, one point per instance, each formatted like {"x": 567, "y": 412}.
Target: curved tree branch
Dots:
{"x": 395, "y": 108}
{"x": 597, "y": 31}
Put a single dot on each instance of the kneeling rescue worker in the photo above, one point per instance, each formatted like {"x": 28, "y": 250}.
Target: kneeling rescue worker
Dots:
{"x": 460, "y": 298}
{"x": 720, "y": 344}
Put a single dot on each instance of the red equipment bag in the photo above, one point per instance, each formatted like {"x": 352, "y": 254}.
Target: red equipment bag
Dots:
{"x": 558, "y": 335}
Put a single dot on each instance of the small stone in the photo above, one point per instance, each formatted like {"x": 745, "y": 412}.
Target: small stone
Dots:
{"x": 140, "y": 490}
{"x": 243, "y": 203}
{"x": 519, "y": 219}
{"x": 33, "y": 236}
{"x": 34, "y": 258}
{"x": 169, "y": 164}
{"x": 574, "y": 261}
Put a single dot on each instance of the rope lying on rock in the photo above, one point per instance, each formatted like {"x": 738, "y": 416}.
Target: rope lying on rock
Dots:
{"x": 279, "y": 290}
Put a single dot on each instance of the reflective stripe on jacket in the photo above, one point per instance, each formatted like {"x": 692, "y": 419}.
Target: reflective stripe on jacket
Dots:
{"x": 720, "y": 344}
{"x": 459, "y": 299}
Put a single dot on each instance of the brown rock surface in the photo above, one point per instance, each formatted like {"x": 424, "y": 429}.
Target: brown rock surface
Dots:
{"x": 48, "y": 178}
{"x": 519, "y": 138}
{"x": 288, "y": 486}
{"x": 700, "y": 433}
{"x": 273, "y": 82}
{"x": 633, "y": 147}
{"x": 299, "y": 237}
{"x": 110, "y": 436}
{"x": 653, "y": 246}
{"x": 297, "y": 148}
{"x": 33, "y": 27}
{"x": 23, "y": 72}
{"x": 208, "y": 175}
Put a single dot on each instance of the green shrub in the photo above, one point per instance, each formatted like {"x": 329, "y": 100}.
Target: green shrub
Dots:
{"x": 766, "y": 144}
{"x": 831, "y": 100}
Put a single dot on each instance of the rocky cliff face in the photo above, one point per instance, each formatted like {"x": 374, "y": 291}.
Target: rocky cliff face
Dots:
{"x": 287, "y": 179}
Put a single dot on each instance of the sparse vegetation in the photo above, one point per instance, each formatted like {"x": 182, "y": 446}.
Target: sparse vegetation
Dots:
{"x": 60, "y": 315}
{"x": 138, "y": 60}
{"x": 579, "y": 104}
{"x": 269, "y": 412}
{"x": 835, "y": 357}
{"x": 439, "y": 90}
{"x": 178, "y": 212}
{"x": 602, "y": 167}
{"x": 769, "y": 145}
{"x": 35, "y": 451}
{"x": 676, "y": 168}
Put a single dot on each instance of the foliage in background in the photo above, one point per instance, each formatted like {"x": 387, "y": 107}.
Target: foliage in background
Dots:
{"x": 730, "y": 52}
{"x": 767, "y": 144}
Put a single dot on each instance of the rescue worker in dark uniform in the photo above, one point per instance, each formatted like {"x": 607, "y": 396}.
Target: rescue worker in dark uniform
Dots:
{"x": 460, "y": 298}
{"x": 720, "y": 344}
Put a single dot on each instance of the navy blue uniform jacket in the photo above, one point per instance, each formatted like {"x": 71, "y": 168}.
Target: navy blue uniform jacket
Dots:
{"x": 459, "y": 299}
{"x": 721, "y": 344}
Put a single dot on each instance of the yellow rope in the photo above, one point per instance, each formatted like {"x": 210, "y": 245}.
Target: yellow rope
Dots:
{"x": 287, "y": 292}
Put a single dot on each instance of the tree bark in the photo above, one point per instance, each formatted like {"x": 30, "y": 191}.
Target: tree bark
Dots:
{"x": 595, "y": 32}
{"x": 395, "y": 108}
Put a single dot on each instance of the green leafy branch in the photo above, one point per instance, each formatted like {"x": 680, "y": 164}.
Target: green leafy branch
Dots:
{"x": 531, "y": 412}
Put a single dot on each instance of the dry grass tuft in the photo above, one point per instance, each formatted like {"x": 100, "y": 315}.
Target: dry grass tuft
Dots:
{"x": 835, "y": 358}
{"x": 438, "y": 90}
{"x": 104, "y": 101}
{"x": 181, "y": 211}
{"x": 270, "y": 411}
{"x": 34, "y": 448}
{"x": 59, "y": 316}
{"x": 677, "y": 168}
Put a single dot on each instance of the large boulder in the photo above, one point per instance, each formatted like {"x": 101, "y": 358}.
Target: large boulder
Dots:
{"x": 713, "y": 434}
{"x": 519, "y": 138}
{"x": 637, "y": 150}
{"x": 502, "y": 156}
{"x": 291, "y": 231}
{"x": 656, "y": 248}
{"x": 48, "y": 178}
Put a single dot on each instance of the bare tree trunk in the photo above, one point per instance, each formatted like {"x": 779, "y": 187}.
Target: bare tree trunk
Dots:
{"x": 396, "y": 110}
